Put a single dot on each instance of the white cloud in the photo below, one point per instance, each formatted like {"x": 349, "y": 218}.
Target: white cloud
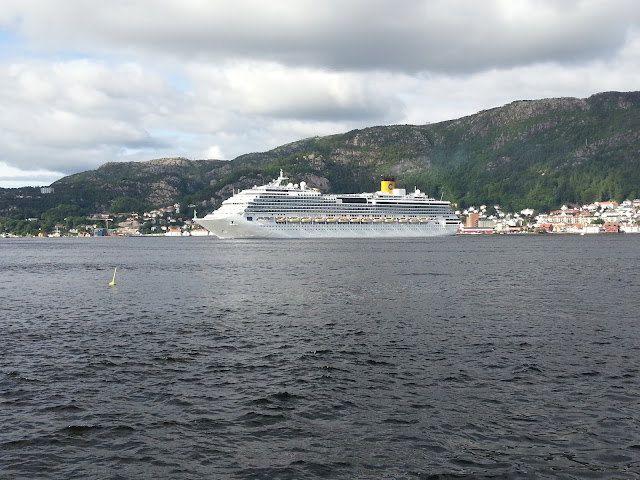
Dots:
{"x": 63, "y": 113}
{"x": 439, "y": 35}
{"x": 214, "y": 152}
{"x": 11, "y": 177}
{"x": 274, "y": 90}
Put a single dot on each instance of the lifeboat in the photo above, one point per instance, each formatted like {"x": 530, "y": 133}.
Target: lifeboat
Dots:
{"x": 424, "y": 220}
{"x": 389, "y": 220}
{"x": 377, "y": 220}
{"x": 318, "y": 220}
{"x": 402, "y": 220}
{"x": 366, "y": 220}
{"x": 331, "y": 220}
{"x": 414, "y": 220}
{"x": 305, "y": 219}
{"x": 354, "y": 220}
{"x": 280, "y": 220}
{"x": 343, "y": 220}
{"x": 293, "y": 219}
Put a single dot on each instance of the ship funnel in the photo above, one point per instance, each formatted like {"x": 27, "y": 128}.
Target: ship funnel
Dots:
{"x": 387, "y": 184}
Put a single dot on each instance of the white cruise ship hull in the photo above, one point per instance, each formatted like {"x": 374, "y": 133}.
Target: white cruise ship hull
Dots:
{"x": 239, "y": 227}
{"x": 277, "y": 210}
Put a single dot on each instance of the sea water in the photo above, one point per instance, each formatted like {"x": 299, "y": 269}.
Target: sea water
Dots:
{"x": 460, "y": 357}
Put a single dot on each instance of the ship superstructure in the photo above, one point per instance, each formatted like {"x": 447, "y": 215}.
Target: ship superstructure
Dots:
{"x": 286, "y": 210}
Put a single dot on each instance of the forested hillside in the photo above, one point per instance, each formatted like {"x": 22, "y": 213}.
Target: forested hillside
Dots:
{"x": 538, "y": 154}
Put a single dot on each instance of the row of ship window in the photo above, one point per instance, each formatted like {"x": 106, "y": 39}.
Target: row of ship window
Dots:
{"x": 351, "y": 211}
{"x": 343, "y": 220}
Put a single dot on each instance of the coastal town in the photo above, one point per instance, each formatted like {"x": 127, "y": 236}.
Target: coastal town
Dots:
{"x": 594, "y": 218}
{"x": 598, "y": 217}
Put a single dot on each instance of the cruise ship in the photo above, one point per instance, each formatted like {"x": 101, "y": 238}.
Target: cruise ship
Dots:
{"x": 286, "y": 210}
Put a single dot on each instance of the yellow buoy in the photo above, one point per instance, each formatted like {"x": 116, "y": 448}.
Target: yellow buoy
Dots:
{"x": 113, "y": 282}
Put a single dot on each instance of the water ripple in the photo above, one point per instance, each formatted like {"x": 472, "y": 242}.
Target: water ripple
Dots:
{"x": 386, "y": 360}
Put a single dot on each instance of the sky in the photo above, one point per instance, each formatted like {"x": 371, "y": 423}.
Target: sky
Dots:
{"x": 85, "y": 82}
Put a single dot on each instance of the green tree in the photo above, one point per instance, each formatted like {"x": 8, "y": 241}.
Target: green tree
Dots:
{"x": 127, "y": 204}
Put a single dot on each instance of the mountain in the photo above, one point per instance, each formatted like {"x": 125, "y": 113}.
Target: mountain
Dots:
{"x": 538, "y": 154}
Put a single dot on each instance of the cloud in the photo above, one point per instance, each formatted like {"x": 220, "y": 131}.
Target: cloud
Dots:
{"x": 273, "y": 90}
{"x": 83, "y": 82}
{"x": 65, "y": 109}
{"x": 11, "y": 177}
{"x": 443, "y": 36}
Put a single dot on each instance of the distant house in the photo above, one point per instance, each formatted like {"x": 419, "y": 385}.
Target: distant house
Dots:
{"x": 472, "y": 220}
{"x": 630, "y": 228}
{"x": 564, "y": 217}
{"x": 199, "y": 232}
{"x": 611, "y": 227}
{"x": 605, "y": 205}
{"x": 464, "y": 230}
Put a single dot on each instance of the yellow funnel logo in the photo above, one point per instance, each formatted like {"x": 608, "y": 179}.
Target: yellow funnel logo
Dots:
{"x": 387, "y": 186}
